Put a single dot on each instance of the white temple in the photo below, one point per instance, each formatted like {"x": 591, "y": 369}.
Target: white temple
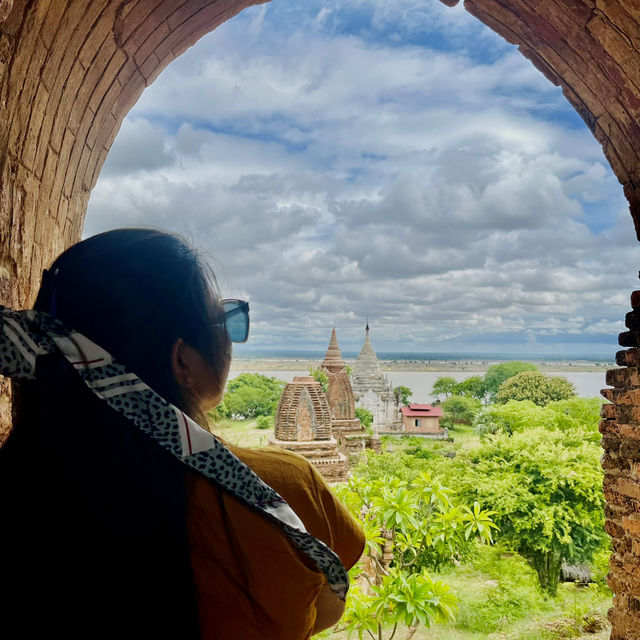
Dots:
{"x": 373, "y": 390}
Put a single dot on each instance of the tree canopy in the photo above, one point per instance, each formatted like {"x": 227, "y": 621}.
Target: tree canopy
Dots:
{"x": 444, "y": 386}
{"x": 516, "y": 416}
{"x": 423, "y": 527}
{"x": 546, "y": 488}
{"x": 460, "y": 409}
{"x": 473, "y": 387}
{"x": 252, "y": 394}
{"x": 404, "y": 392}
{"x": 498, "y": 373}
{"x": 537, "y": 387}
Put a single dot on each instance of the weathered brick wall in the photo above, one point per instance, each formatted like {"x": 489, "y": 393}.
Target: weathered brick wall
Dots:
{"x": 71, "y": 69}
{"x": 620, "y": 428}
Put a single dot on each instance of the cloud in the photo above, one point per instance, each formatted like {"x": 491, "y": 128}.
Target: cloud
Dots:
{"x": 428, "y": 180}
{"x": 141, "y": 147}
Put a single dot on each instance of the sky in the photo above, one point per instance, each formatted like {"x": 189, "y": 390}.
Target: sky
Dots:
{"x": 389, "y": 160}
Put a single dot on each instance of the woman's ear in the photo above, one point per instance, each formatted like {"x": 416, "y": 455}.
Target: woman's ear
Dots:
{"x": 195, "y": 376}
{"x": 183, "y": 364}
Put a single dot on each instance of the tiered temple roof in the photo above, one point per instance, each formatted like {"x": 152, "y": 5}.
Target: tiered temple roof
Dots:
{"x": 366, "y": 371}
{"x": 333, "y": 361}
{"x": 346, "y": 427}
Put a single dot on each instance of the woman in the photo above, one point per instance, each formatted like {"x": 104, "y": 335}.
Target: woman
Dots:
{"x": 122, "y": 517}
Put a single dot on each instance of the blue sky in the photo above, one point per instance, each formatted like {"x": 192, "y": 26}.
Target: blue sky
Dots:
{"x": 382, "y": 159}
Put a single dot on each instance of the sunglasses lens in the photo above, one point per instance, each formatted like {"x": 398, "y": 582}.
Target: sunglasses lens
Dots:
{"x": 237, "y": 320}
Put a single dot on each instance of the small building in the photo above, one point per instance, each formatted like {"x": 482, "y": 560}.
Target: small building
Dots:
{"x": 422, "y": 419}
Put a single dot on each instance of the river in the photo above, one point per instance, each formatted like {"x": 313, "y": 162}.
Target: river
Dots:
{"x": 587, "y": 383}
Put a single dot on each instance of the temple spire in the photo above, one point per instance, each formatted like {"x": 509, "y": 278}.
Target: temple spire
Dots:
{"x": 333, "y": 359}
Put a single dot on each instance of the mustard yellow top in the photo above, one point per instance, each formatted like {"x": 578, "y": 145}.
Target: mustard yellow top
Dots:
{"x": 251, "y": 583}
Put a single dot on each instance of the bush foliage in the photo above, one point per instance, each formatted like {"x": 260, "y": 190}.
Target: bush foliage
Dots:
{"x": 251, "y": 394}
{"x": 538, "y": 387}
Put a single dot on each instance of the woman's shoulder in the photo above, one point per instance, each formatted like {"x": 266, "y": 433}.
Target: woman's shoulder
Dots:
{"x": 275, "y": 461}
{"x": 306, "y": 491}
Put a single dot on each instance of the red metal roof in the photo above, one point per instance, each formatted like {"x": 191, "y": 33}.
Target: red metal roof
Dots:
{"x": 415, "y": 410}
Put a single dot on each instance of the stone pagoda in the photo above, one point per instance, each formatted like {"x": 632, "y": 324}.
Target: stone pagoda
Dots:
{"x": 303, "y": 425}
{"x": 347, "y": 429}
{"x": 373, "y": 390}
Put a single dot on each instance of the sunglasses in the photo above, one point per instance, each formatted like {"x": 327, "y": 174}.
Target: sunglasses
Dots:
{"x": 235, "y": 319}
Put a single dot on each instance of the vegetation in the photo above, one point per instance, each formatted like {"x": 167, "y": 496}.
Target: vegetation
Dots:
{"x": 404, "y": 392}
{"x": 460, "y": 409}
{"x": 242, "y": 433}
{"x": 498, "y": 373}
{"x": 250, "y": 395}
{"x": 409, "y": 528}
{"x": 365, "y": 416}
{"x": 320, "y": 375}
{"x": 481, "y": 388}
{"x": 524, "y": 473}
{"x": 264, "y": 422}
{"x": 546, "y": 488}
{"x": 516, "y": 416}
{"x": 444, "y": 387}
{"x": 535, "y": 386}
{"x": 473, "y": 387}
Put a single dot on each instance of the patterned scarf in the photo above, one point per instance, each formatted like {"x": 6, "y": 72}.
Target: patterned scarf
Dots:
{"x": 28, "y": 334}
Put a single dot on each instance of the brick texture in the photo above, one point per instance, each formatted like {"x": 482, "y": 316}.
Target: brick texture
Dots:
{"x": 620, "y": 428}
{"x": 71, "y": 69}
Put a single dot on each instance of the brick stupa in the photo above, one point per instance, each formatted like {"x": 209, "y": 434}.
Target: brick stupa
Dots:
{"x": 347, "y": 429}
{"x": 303, "y": 425}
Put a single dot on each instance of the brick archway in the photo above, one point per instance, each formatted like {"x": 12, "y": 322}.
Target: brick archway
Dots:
{"x": 70, "y": 70}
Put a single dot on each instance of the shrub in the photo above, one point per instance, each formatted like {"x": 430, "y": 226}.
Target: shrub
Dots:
{"x": 365, "y": 416}
{"x": 537, "y": 387}
{"x": 264, "y": 422}
{"x": 510, "y": 592}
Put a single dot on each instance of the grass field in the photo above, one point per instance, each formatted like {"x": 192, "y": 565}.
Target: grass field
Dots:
{"x": 243, "y": 433}
{"x": 499, "y": 600}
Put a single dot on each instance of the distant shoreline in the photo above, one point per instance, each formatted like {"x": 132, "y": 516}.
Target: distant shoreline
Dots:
{"x": 304, "y": 364}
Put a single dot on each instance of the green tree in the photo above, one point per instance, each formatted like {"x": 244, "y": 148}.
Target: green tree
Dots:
{"x": 578, "y": 413}
{"x": 320, "y": 375}
{"x": 498, "y": 373}
{"x": 252, "y": 394}
{"x": 444, "y": 386}
{"x": 519, "y": 415}
{"x": 545, "y": 486}
{"x": 401, "y": 521}
{"x": 365, "y": 416}
{"x": 461, "y": 409}
{"x": 472, "y": 387}
{"x": 512, "y": 417}
{"x": 404, "y": 392}
{"x": 537, "y": 387}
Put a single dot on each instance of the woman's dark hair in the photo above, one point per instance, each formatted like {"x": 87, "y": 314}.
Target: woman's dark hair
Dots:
{"x": 134, "y": 292}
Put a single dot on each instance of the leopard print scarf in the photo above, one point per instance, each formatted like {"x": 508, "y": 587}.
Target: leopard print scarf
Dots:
{"x": 26, "y": 335}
